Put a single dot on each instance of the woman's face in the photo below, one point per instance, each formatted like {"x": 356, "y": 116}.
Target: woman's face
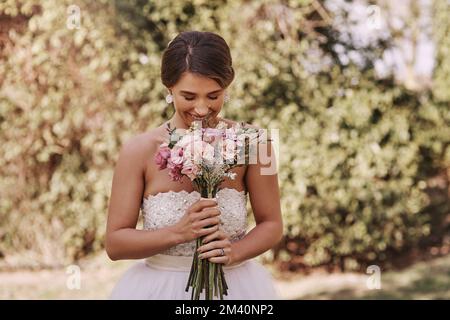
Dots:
{"x": 196, "y": 98}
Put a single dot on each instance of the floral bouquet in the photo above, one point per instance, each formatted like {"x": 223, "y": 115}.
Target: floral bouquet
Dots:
{"x": 206, "y": 156}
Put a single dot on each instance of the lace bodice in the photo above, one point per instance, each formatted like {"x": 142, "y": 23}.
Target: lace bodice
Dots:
{"x": 167, "y": 208}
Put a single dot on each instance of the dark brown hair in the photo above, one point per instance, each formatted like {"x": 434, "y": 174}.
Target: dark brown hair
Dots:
{"x": 204, "y": 53}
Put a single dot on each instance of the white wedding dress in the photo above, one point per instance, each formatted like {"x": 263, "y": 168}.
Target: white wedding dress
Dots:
{"x": 165, "y": 275}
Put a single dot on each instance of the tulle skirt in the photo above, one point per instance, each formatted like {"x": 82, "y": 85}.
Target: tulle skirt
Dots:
{"x": 164, "y": 277}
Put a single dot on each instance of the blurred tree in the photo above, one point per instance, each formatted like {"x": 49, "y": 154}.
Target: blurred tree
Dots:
{"x": 361, "y": 158}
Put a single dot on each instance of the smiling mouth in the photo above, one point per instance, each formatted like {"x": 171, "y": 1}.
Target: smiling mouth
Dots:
{"x": 199, "y": 118}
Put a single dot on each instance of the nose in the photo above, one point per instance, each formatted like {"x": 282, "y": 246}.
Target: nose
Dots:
{"x": 201, "y": 111}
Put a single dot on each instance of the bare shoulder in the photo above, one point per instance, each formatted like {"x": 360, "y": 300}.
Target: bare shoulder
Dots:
{"x": 138, "y": 148}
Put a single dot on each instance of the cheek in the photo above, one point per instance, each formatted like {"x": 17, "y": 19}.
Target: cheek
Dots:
{"x": 182, "y": 105}
{"x": 216, "y": 108}
{"x": 216, "y": 105}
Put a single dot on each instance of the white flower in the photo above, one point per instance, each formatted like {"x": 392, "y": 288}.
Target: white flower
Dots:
{"x": 199, "y": 151}
{"x": 228, "y": 150}
{"x": 207, "y": 151}
{"x": 222, "y": 125}
{"x": 231, "y": 175}
{"x": 188, "y": 139}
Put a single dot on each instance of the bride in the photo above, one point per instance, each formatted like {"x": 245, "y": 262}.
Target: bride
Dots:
{"x": 196, "y": 69}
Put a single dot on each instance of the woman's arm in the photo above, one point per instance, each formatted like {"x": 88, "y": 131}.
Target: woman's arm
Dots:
{"x": 261, "y": 180}
{"x": 123, "y": 241}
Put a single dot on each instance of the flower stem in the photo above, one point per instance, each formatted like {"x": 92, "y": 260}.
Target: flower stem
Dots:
{"x": 205, "y": 274}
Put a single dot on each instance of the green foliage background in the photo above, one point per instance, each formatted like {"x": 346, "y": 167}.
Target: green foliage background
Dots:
{"x": 363, "y": 161}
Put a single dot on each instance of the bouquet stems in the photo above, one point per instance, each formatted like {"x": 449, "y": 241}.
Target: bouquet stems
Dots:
{"x": 205, "y": 274}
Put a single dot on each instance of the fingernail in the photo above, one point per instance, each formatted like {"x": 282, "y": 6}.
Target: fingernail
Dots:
{"x": 213, "y": 199}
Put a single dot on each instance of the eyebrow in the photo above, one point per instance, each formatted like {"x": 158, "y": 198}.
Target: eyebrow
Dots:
{"x": 188, "y": 92}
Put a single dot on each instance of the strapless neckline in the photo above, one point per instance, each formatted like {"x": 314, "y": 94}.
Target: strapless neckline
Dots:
{"x": 150, "y": 196}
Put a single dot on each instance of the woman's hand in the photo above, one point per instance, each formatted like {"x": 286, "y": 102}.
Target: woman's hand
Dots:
{"x": 201, "y": 219}
{"x": 212, "y": 250}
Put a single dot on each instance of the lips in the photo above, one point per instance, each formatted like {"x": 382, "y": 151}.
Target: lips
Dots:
{"x": 198, "y": 118}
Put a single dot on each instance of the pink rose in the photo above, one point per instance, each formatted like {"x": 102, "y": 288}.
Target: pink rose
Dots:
{"x": 190, "y": 170}
{"x": 176, "y": 155}
{"x": 175, "y": 171}
{"x": 162, "y": 156}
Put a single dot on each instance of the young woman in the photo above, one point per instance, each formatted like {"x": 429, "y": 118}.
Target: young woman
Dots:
{"x": 196, "y": 69}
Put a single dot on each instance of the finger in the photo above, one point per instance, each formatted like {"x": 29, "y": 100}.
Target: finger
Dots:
{"x": 213, "y": 245}
{"x": 207, "y": 222}
{"x": 211, "y": 253}
{"x": 205, "y": 231}
{"x": 212, "y": 211}
{"x": 225, "y": 259}
{"x": 211, "y": 237}
{"x": 222, "y": 259}
{"x": 215, "y": 199}
{"x": 199, "y": 205}
{"x": 219, "y": 234}
{"x": 205, "y": 213}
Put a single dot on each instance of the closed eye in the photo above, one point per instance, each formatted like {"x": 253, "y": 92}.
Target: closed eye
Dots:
{"x": 190, "y": 99}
